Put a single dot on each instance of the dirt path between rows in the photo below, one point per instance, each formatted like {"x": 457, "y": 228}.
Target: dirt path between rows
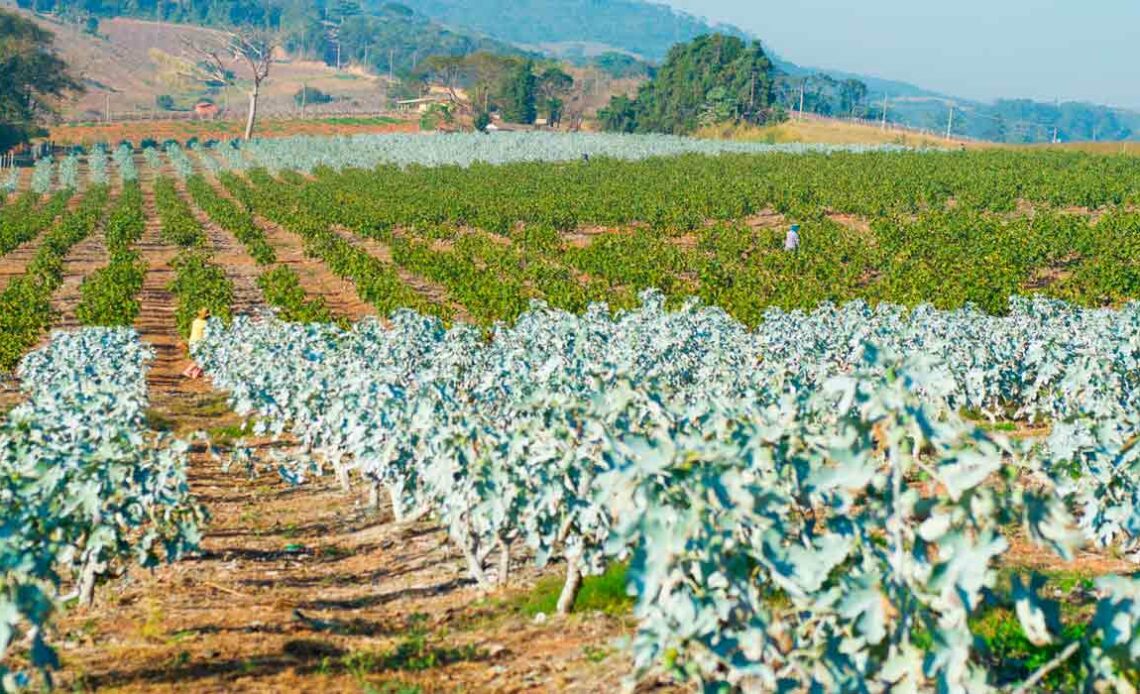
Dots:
{"x": 314, "y": 276}
{"x": 230, "y": 255}
{"x": 155, "y": 322}
{"x": 84, "y": 258}
{"x": 304, "y": 589}
{"x": 432, "y": 291}
{"x": 15, "y": 263}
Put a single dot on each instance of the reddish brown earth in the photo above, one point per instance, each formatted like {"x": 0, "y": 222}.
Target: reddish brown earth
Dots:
{"x": 230, "y": 255}
{"x": 305, "y": 589}
{"x": 314, "y": 276}
{"x": 216, "y": 130}
{"x": 432, "y": 291}
{"x": 83, "y": 259}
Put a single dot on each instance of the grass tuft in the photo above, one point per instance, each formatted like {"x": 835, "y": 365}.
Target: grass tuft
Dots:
{"x": 605, "y": 593}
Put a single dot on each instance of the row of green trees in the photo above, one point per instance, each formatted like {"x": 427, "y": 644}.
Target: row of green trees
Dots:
{"x": 521, "y": 89}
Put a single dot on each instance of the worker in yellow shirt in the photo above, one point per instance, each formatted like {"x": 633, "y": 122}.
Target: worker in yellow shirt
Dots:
{"x": 197, "y": 333}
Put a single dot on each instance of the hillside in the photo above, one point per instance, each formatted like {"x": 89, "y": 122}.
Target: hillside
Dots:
{"x": 386, "y": 37}
{"x": 577, "y": 28}
{"x": 571, "y": 26}
{"x": 133, "y": 62}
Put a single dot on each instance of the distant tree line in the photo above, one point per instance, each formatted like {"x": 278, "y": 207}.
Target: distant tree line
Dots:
{"x": 1016, "y": 121}
{"x": 648, "y": 29}
{"x": 1023, "y": 120}
{"x": 822, "y": 94}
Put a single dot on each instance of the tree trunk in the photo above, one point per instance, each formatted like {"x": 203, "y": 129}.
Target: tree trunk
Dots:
{"x": 572, "y": 586}
{"x": 396, "y": 494}
{"x": 475, "y": 565}
{"x": 374, "y": 496}
{"x": 252, "y": 118}
{"x": 340, "y": 471}
{"x": 92, "y": 567}
{"x": 504, "y": 562}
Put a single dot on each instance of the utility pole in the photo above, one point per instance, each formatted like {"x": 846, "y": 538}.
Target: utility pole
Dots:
{"x": 391, "y": 68}
{"x": 107, "y": 107}
{"x": 304, "y": 98}
{"x": 1058, "y": 107}
{"x": 950, "y": 124}
{"x": 885, "y": 104}
{"x": 802, "y": 98}
{"x": 338, "y": 55}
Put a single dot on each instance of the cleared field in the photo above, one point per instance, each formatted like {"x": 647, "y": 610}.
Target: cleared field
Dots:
{"x": 182, "y": 131}
{"x": 836, "y": 132}
{"x": 331, "y": 562}
{"x": 131, "y": 62}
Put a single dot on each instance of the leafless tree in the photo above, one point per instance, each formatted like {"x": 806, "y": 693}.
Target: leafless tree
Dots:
{"x": 250, "y": 50}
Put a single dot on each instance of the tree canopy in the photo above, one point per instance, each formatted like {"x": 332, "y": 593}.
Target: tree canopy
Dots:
{"x": 34, "y": 77}
{"x": 712, "y": 79}
{"x": 519, "y": 97}
{"x": 519, "y": 88}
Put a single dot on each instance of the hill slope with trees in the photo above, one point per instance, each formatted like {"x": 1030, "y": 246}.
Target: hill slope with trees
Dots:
{"x": 645, "y": 28}
{"x": 609, "y": 35}
{"x": 33, "y": 78}
{"x": 389, "y": 38}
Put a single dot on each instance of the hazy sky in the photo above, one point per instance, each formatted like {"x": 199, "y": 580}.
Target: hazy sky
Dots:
{"x": 1080, "y": 50}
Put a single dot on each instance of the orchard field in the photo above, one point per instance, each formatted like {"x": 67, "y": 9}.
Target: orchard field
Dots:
{"x": 554, "y": 412}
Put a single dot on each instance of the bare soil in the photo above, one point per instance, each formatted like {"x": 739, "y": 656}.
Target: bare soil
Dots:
{"x": 432, "y": 291}
{"x": 182, "y": 130}
{"x": 85, "y": 258}
{"x": 228, "y": 253}
{"x": 314, "y": 276}
{"x": 306, "y": 589}
{"x": 16, "y": 262}
{"x": 291, "y": 583}
{"x": 853, "y": 222}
